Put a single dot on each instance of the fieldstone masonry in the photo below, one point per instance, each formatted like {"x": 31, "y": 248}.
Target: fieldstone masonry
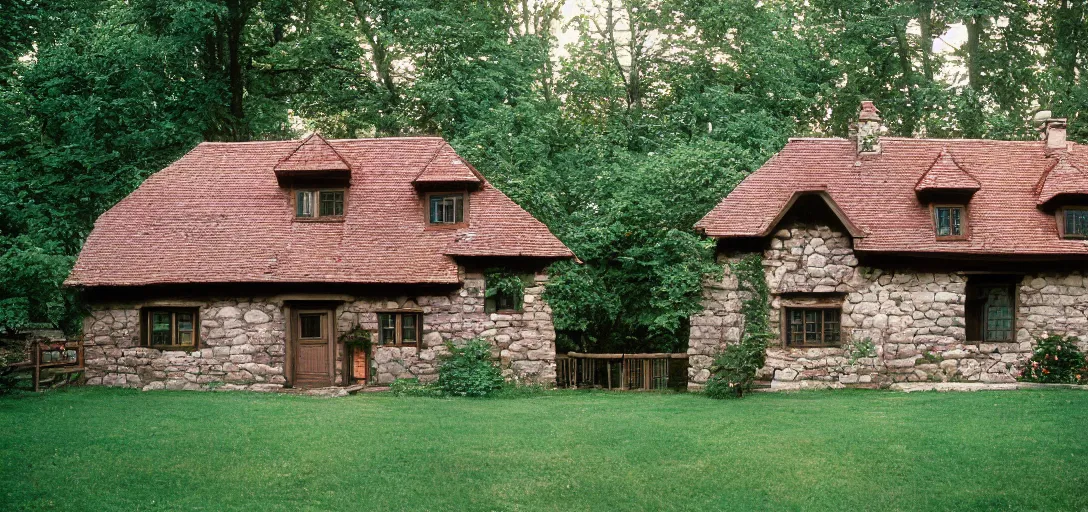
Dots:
{"x": 915, "y": 320}
{"x": 242, "y": 346}
{"x": 243, "y": 342}
{"x": 524, "y": 342}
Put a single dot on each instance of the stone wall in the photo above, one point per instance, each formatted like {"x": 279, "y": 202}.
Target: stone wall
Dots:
{"x": 915, "y": 320}
{"x": 242, "y": 345}
{"x": 243, "y": 342}
{"x": 524, "y": 341}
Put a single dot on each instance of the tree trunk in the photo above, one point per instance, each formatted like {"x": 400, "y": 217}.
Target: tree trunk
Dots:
{"x": 237, "y": 14}
{"x": 383, "y": 67}
{"x": 907, "y": 68}
{"x": 925, "y": 23}
{"x": 973, "y": 54}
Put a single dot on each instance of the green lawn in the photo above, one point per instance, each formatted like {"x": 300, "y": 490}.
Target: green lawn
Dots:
{"x": 102, "y": 449}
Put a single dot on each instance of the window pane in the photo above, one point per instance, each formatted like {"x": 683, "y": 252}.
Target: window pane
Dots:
{"x": 1076, "y": 222}
{"x": 796, "y": 326}
{"x": 812, "y": 326}
{"x": 831, "y": 326}
{"x": 408, "y": 329}
{"x": 436, "y": 209}
{"x": 332, "y": 203}
{"x": 944, "y": 222}
{"x": 949, "y": 220}
{"x": 447, "y": 209}
{"x": 185, "y": 328}
{"x": 160, "y": 328}
{"x": 305, "y": 204}
{"x": 310, "y": 326}
{"x": 388, "y": 324}
{"x": 998, "y": 311}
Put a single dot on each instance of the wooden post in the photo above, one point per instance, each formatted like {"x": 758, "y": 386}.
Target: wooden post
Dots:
{"x": 36, "y": 354}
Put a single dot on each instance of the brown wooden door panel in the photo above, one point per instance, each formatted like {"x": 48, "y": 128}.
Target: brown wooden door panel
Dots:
{"x": 312, "y": 340}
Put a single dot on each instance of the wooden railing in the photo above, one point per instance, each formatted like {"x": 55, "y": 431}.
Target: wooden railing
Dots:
{"x": 60, "y": 361}
{"x": 621, "y": 371}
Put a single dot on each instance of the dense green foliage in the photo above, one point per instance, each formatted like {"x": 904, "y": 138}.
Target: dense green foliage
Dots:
{"x": 469, "y": 370}
{"x": 1056, "y": 360}
{"x": 571, "y": 450}
{"x": 500, "y": 282}
{"x": 619, "y": 140}
{"x": 734, "y": 370}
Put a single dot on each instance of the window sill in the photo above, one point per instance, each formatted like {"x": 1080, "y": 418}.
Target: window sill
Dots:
{"x": 172, "y": 348}
{"x": 442, "y": 227}
{"x": 959, "y": 238}
{"x": 404, "y": 345}
{"x": 811, "y": 346}
{"x": 320, "y": 219}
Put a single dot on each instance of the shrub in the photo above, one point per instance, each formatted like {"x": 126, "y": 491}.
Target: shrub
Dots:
{"x": 734, "y": 370}
{"x": 1056, "y": 360}
{"x": 469, "y": 370}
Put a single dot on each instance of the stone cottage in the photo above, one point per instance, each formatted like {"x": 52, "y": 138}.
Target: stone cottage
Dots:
{"x": 242, "y": 264}
{"x": 898, "y": 259}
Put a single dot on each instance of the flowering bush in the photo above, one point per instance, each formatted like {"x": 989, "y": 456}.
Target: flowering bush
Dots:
{"x": 1056, "y": 360}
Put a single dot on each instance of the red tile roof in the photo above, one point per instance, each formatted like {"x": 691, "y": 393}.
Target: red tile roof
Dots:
{"x": 877, "y": 194}
{"x": 1063, "y": 177}
{"x": 218, "y": 215}
{"x": 447, "y": 167}
{"x": 946, "y": 174}
{"x": 313, "y": 154}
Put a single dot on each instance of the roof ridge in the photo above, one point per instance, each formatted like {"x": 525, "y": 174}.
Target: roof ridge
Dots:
{"x": 430, "y": 161}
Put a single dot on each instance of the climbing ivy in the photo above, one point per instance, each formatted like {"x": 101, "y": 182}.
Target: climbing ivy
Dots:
{"x": 500, "y": 282}
{"x": 734, "y": 370}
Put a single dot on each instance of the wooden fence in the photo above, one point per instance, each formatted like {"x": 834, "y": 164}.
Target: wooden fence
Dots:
{"x": 622, "y": 371}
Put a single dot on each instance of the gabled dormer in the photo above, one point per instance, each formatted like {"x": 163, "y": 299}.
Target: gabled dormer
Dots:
{"x": 446, "y": 184}
{"x": 947, "y": 189}
{"x": 318, "y": 177}
{"x": 313, "y": 160}
{"x": 1064, "y": 191}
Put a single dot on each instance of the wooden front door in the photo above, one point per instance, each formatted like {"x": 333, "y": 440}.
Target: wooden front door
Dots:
{"x": 313, "y": 352}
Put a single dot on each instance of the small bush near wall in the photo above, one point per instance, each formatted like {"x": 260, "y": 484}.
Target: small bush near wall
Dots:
{"x": 1056, "y": 360}
{"x": 469, "y": 370}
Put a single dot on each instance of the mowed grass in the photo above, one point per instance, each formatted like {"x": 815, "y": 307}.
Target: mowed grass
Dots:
{"x": 103, "y": 449}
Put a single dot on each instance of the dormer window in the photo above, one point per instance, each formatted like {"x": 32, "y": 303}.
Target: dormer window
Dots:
{"x": 446, "y": 208}
{"x": 1075, "y": 222}
{"x": 319, "y": 204}
{"x": 949, "y": 221}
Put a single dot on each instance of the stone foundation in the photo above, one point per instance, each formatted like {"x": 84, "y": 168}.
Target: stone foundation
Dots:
{"x": 915, "y": 320}
{"x": 243, "y": 342}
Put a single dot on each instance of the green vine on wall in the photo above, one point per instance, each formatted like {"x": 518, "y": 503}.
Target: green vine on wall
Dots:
{"x": 734, "y": 370}
{"x": 756, "y": 308}
{"x": 498, "y": 281}
{"x": 357, "y": 338}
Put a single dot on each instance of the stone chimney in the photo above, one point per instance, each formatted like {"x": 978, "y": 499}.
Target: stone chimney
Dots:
{"x": 1052, "y": 130}
{"x": 869, "y": 128}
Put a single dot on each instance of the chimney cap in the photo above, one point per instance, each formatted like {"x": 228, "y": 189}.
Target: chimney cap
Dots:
{"x": 869, "y": 111}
